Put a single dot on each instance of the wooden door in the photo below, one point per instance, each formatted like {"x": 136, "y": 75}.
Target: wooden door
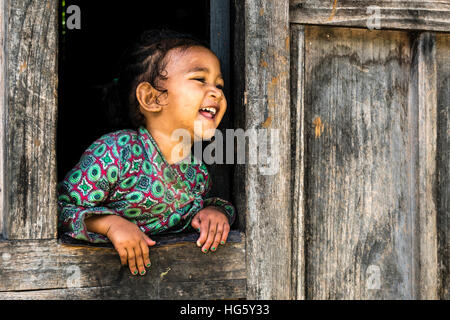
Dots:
{"x": 360, "y": 93}
{"x": 369, "y": 106}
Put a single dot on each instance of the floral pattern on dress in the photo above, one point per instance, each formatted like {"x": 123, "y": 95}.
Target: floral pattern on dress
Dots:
{"x": 124, "y": 173}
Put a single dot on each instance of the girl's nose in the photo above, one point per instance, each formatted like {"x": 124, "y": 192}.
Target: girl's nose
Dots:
{"x": 216, "y": 92}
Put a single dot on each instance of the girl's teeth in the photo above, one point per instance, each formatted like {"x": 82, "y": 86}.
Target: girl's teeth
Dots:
{"x": 208, "y": 112}
{"x": 211, "y": 110}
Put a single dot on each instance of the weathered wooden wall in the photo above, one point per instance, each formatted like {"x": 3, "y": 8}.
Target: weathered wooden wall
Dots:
{"x": 30, "y": 120}
{"x": 47, "y": 269}
{"x": 267, "y": 197}
{"x": 3, "y": 40}
{"x": 297, "y": 75}
{"x": 443, "y": 161}
{"x": 356, "y": 163}
{"x": 423, "y": 109}
{"x": 370, "y": 154}
{"x": 433, "y": 15}
{"x": 220, "y": 41}
{"x": 238, "y": 76}
{"x": 358, "y": 208}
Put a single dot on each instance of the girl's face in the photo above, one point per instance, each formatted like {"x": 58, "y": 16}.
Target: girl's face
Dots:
{"x": 195, "y": 100}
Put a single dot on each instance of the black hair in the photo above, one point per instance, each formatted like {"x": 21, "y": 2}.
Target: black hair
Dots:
{"x": 143, "y": 61}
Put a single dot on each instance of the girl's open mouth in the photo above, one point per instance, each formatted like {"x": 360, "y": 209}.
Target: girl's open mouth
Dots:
{"x": 208, "y": 112}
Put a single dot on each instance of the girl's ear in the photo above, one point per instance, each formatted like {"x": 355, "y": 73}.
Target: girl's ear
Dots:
{"x": 146, "y": 95}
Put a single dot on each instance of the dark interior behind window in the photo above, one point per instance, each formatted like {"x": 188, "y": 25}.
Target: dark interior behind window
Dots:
{"x": 88, "y": 56}
{"x": 87, "y": 61}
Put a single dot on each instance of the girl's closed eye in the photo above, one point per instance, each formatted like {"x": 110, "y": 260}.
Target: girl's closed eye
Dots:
{"x": 203, "y": 80}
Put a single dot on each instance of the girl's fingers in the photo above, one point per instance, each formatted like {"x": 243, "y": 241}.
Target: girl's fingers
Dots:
{"x": 218, "y": 237}
{"x": 211, "y": 235}
{"x": 226, "y": 230}
{"x": 123, "y": 256}
{"x": 139, "y": 260}
{"x": 204, "y": 227}
{"x": 132, "y": 261}
{"x": 149, "y": 241}
{"x": 195, "y": 223}
{"x": 135, "y": 257}
{"x": 145, "y": 253}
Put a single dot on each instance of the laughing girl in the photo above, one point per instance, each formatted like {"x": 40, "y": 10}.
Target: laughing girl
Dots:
{"x": 131, "y": 184}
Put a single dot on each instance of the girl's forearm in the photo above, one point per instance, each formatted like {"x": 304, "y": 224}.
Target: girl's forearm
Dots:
{"x": 101, "y": 223}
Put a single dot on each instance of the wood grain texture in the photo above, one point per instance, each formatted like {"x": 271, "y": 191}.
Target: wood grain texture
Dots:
{"x": 3, "y": 77}
{"x": 433, "y": 15}
{"x": 200, "y": 290}
{"x": 221, "y": 173}
{"x": 47, "y": 269}
{"x": 268, "y": 196}
{"x": 443, "y": 161}
{"x": 238, "y": 74}
{"x": 358, "y": 219}
{"x": 30, "y": 120}
{"x": 161, "y": 240}
{"x": 297, "y": 163}
{"x": 423, "y": 108}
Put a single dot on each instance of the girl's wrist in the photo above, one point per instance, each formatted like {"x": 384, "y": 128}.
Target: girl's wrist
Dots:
{"x": 218, "y": 209}
{"x": 102, "y": 224}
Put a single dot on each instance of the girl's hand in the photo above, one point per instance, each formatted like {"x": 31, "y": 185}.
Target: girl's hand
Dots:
{"x": 214, "y": 228}
{"x": 131, "y": 244}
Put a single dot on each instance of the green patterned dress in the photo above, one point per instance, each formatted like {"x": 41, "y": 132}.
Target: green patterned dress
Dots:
{"x": 124, "y": 173}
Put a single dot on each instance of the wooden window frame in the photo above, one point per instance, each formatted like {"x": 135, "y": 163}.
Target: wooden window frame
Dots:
{"x": 35, "y": 265}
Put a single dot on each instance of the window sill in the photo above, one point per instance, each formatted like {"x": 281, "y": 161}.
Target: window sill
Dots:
{"x": 161, "y": 240}
{"x": 51, "y": 269}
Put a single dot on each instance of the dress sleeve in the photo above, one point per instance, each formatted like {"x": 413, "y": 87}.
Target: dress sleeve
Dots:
{"x": 222, "y": 205}
{"x": 85, "y": 188}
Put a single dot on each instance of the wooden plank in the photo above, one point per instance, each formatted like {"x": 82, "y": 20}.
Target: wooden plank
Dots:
{"x": 30, "y": 119}
{"x": 221, "y": 174}
{"x": 220, "y": 37}
{"x": 358, "y": 211}
{"x": 298, "y": 147}
{"x": 433, "y": 15}
{"x": 238, "y": 96}
{"x": 267, "y": 195}
{"x": 212, "y": 289}
{"x": 178, "y": 270}
{"x": 161, "y": 240}
{"x": 3, "y": 76}
{"x": 201, "y": 290}
{"x": 423, "y": 143}
{"x": 443, "y": 161}
{"x": 136, "y": 292}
